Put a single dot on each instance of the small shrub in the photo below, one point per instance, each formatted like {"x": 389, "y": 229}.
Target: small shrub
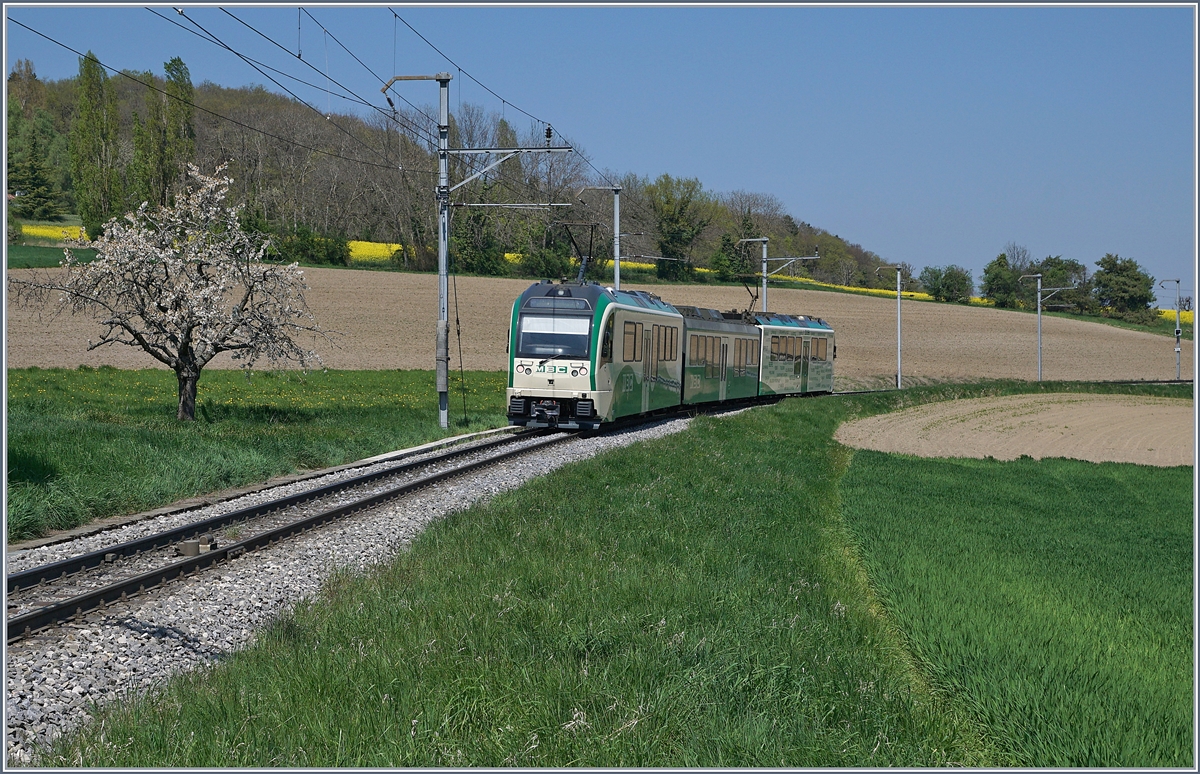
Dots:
{"x": 14, "y": 230}
{"x": 544, "y": 264}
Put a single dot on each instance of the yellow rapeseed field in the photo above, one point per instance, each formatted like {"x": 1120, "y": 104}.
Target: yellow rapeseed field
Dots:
{"x": 51, "y": 232}
{"x": 372, "y": 252}
{"x": 1187, "y": 317}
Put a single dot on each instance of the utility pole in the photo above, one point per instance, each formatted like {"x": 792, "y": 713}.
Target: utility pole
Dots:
{"x": 765, "y": 273}
{"x": 1049, "y": 292}
{"x": 442, "y": 357}
{"x": 616, "y": 238}
{"x": 616, "y": 192}
{"x": 1178, "y": 330}
{"x": 442, "y": 193}
{"x": 898, "y": 272}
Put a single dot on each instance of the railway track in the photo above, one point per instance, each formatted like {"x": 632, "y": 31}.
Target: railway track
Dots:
{"x": 43, "y": 596}
{"x": 48, "y": 594}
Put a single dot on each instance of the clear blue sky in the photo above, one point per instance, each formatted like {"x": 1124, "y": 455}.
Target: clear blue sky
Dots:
{"x": 930, "y": 135}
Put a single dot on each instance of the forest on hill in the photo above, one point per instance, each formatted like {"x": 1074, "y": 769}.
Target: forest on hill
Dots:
{"x": 341, "y": 175}
{"x": 99, "y": 145}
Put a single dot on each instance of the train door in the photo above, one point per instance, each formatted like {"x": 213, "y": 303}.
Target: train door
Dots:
{"x": 647, "y": 369}
{"x": 725, "y": 359}
{"x": 804, "y": 366}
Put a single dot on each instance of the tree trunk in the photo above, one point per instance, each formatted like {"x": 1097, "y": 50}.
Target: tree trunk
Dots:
{"x": 187, "y": 393}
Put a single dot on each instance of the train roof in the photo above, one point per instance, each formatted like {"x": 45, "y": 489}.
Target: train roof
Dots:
{"x": 570, "y": 296}
{"x": 573, "y": 297}
{"x": 776, "y": 320}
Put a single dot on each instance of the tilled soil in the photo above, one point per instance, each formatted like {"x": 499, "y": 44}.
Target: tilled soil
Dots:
{"x": 1098, "y": 428}
{"x": 387, "y": 320}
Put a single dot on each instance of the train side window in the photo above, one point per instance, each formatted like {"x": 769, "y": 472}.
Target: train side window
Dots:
{"x": 737, "y": 357}
{"x": 754, "y": 351}
{"x": 630, "y": 342}
{"x": 819, "y": 348}
{"x": 637, "y": 343}
{"x": 674, "y": 343}
{"x": 693, "y": 342}
{"x": 774, "y": 348}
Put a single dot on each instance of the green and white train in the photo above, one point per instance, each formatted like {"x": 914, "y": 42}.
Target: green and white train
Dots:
{"x": 581, "y": 355}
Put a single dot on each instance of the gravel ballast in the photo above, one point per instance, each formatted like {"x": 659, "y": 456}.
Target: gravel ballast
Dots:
{"x": 55, "y": 680}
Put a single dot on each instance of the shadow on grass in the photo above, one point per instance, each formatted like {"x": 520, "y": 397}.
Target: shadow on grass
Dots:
{"x": 30, "y": 468}
{"x": 255, "y": 414}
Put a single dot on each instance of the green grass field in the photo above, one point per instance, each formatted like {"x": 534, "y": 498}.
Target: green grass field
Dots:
{"x": 41, "y": 257}
{"x": 1051, "y": 598}
{"x": 699, "y": 600}
{"x": 85, "y": 444}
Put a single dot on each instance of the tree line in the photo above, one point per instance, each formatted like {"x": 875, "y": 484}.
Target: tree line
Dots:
{"x": 99, "y": 146}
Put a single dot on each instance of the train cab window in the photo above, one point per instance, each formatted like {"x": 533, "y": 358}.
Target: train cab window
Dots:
{"x": 606, "y": 340}
{"x": 547, "y": 336}
{"x": 633, "y": 342}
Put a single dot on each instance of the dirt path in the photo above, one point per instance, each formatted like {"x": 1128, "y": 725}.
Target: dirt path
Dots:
{"x": 387, "y": 322}
{"x": 1098, "y": 428}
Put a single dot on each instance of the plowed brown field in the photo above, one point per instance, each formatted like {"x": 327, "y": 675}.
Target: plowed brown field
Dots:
{"x": 386, "y": 321}
{"x": 1099, "y": 428}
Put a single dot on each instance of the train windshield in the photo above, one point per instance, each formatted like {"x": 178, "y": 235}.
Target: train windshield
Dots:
{"x": 553, "y": 336}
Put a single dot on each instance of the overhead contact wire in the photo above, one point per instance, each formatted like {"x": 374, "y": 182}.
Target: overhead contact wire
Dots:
{"x": 202, "y": 109}
{"x": 428, "y": 135}
{"x": 335, "y": 124}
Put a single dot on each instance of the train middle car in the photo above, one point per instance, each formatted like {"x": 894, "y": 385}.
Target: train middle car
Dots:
{"x": 583, "y": 355}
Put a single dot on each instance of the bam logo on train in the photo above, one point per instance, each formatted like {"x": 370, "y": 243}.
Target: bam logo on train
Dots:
{"x": 582, "y": 354}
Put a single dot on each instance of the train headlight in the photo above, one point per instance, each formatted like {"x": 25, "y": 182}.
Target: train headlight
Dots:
{"x": 575, "y": 372}
{"x": 583, "y": 372}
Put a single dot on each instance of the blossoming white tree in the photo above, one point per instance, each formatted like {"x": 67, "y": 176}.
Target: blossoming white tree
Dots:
{"x": 185, "y": 283}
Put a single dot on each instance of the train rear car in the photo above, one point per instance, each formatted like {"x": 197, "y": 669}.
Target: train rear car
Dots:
{"x": 797, "y": 354}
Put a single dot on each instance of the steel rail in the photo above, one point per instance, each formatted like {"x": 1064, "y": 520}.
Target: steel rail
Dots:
{"x": 23, "y": 625}
{"x": 66, "y": 567}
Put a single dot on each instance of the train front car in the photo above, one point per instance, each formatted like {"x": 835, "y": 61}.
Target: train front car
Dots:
{"x": 581, "y": 355}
